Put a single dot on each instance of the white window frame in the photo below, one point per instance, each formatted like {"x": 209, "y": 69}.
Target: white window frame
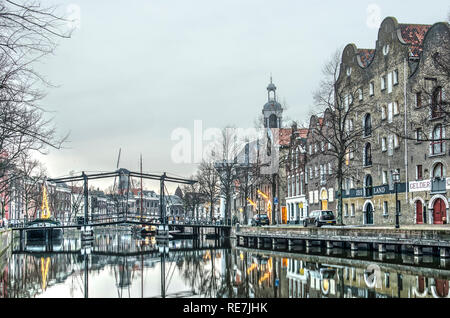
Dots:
{"x": 384, "y": 144}
{"x": 385, "y": 177}
{"x": 371, "y": 88}
{"x": 389, "y": 82}
{"x": 383, "y": 82}
{"x": 390, "y": 112}
{"x": 396, "y": 110}
{"x": 395, "y": 77}
{"x": 396, "y": 141}
{"x": 390, "y": 145}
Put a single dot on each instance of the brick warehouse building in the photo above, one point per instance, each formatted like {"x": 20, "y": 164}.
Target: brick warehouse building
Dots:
{"x": 399, "y": 69}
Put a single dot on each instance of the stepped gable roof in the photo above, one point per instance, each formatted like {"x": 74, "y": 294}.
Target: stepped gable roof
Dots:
{"x": 366, "y": 56}
{"x": 414, "y": 34}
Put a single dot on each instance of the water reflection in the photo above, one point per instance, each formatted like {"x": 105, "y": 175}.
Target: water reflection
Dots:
{"x": 118, "y": 265}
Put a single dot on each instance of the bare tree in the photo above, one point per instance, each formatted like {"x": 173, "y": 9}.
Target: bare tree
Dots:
{"x": 27, "y": 33}
{"x": 225, "y": 162}
{"x": 338, "y": 134}
{"x": 32, "y": 174}
{"x": 208, "y": 180}
{"x": 192, "y": 198}
{"x": 429, "y": 85}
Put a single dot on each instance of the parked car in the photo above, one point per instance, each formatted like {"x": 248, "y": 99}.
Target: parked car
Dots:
{"x": 319, "y": 218}
{"x": 260, "y": 219}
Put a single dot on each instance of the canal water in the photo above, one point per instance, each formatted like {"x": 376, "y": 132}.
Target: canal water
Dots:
{"x": 120, "y": 265}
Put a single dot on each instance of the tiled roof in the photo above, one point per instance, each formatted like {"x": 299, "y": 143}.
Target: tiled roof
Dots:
{"x": 303, "y": 133}
{"x": 414, "y": 34}
{"x": 285, "y": 135}
{"x": 366, "y": 56}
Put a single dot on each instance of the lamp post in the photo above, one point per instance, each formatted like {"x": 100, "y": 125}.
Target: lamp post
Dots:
{"x": 396, "y": 179}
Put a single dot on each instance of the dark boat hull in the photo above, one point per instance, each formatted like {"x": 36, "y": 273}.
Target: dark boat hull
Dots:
{"x": 42, "y": 234}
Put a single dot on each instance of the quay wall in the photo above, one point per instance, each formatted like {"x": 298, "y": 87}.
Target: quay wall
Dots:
{"x": 437, "y": 237}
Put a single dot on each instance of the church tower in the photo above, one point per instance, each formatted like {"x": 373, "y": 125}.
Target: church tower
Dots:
{"x": 272, "y": 111}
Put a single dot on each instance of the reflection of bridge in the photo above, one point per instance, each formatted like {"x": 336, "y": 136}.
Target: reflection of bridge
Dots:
{"x": 126, "y": 256}
{"x": 155, "y": 251}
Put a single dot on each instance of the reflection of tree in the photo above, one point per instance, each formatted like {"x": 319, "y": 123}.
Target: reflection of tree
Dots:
{"x": 199, "y": 270}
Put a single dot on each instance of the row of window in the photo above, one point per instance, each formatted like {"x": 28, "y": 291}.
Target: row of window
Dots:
{"x": 316, "y": 147}
{"x": 386, "y": 82}
{"x": 352, "y": 209}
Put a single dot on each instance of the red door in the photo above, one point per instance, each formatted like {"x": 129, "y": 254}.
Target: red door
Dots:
{"x": 439, "y": 211}
{"x": 442, "y": 287}
{"x": 421, "y": 284}
{"x": 419, "y": 212}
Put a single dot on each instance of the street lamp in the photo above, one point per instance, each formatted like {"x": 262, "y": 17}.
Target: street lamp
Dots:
{"x": 396, "y": 179}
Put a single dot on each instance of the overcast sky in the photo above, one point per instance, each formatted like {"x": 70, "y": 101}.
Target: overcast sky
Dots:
{"x": 134, "y": 71}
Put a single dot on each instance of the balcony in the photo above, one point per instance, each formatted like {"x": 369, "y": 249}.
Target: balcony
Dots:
{"x": 438, "y": 186}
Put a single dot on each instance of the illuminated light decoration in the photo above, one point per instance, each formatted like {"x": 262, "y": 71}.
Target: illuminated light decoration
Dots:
{"x": 241, "y": 256}
{"x": 325, "y": 286}
{"x": 284, "y": 262}
{"x": 269, "y": 206}
{"x": 44, "y": 271}
{"x": 45, "y": 211}
{"x": 264, "y": 278}
{"x": 251, "y": 268}
{"x": 207, "y": 256}
{"x": 269, "y": 210}
{"x": 265, "y": 196}
{"x": 251, "y": 202}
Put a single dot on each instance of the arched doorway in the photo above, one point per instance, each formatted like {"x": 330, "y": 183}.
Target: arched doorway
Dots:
{"x": 369, "y": 214}
{"x": 324, "y": 200}
{"x": 439, "y": 211}
{"x": 419, "y": 212}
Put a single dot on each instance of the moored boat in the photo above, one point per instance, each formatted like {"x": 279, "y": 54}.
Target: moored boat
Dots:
{"x": 43, "y": 229}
